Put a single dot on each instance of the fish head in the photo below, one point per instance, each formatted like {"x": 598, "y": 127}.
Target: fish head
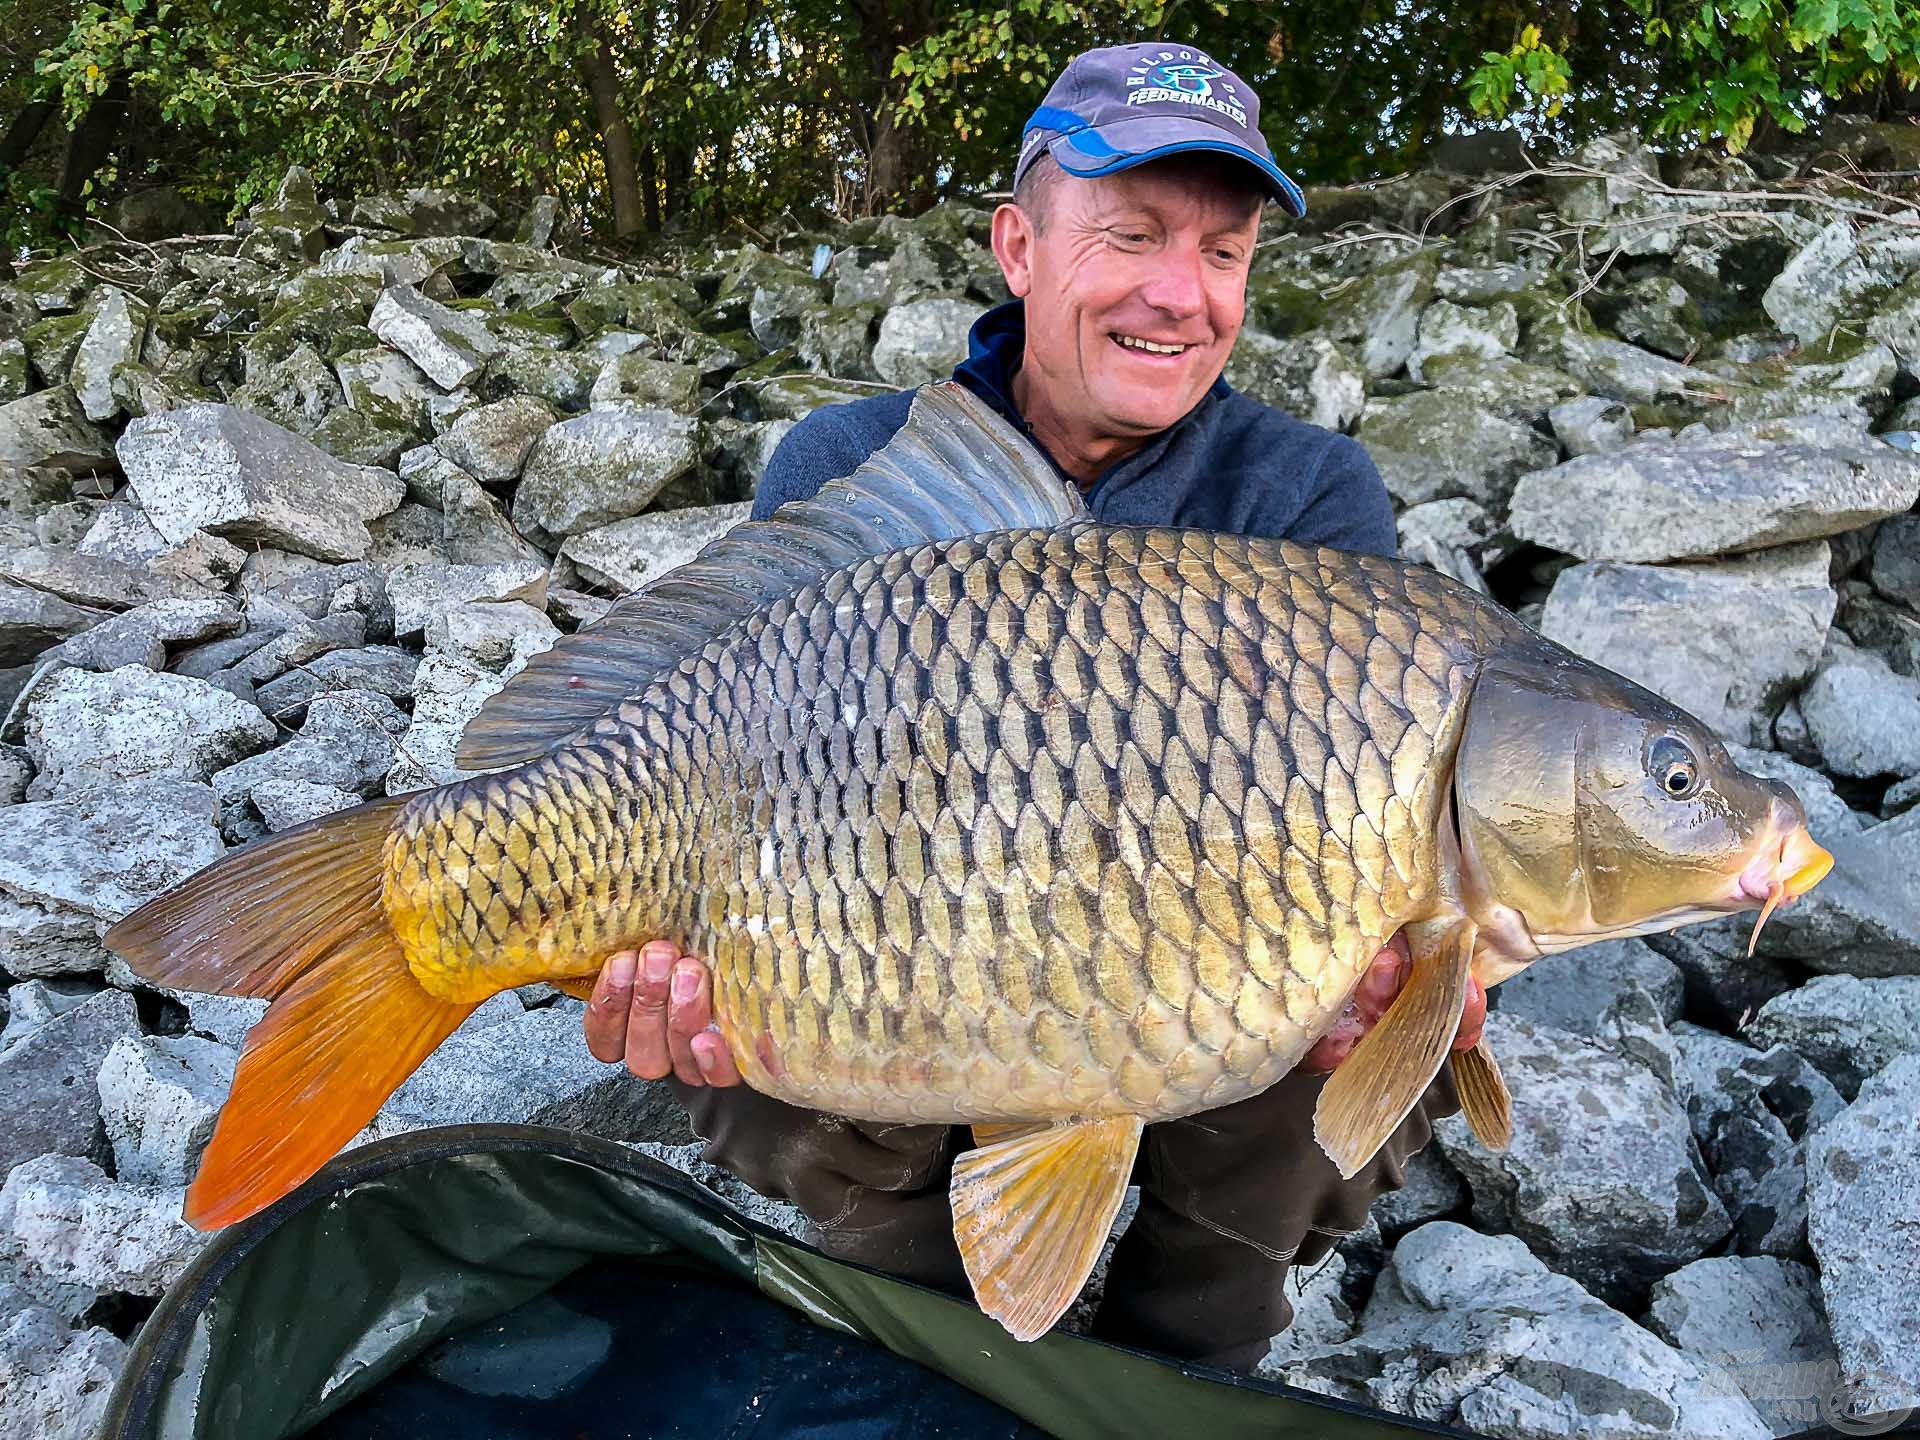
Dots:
{"x": 1591, "y": 809}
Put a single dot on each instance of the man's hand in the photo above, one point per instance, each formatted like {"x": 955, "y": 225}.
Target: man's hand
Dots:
{"x": 653, "y": 1008}
{"x": 1373, "y": 996}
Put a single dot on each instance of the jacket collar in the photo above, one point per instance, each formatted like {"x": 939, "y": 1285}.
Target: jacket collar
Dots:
{"x": 996, "y": 347}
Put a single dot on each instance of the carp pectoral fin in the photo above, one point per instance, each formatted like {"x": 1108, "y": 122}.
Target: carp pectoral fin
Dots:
{"x": 1364, "y": 1101}
{"x": 1483, "y": 1096}
{"x": 1031, "y": 1214}
{"x": 580, "y": 987}
{"x": 985, "y": 1135}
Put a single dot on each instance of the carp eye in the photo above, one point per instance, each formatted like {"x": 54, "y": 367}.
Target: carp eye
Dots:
{"x": 1671, "y": 763}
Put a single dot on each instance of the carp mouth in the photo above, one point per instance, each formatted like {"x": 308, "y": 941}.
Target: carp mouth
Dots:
{"x": 1779, "y": 875}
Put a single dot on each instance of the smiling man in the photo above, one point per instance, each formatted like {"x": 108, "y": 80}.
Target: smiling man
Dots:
{"x": 1136, "y": 208}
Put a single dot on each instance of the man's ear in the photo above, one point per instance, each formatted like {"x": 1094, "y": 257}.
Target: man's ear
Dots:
{"x": 1013, "y": 240}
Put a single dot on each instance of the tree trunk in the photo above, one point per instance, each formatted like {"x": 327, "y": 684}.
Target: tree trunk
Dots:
{"x": 616, "y": 137}
{"x": 898, "y": 157}
{"x": 88, "y": 145}
{"x": 650, "y": 187}
{"x": 24, "y": 130}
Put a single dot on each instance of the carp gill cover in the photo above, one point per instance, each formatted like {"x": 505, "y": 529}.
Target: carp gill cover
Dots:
{"x": 985, "y": 813}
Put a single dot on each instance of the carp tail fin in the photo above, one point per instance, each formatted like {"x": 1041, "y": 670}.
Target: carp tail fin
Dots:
{"x": 297, "y": 918}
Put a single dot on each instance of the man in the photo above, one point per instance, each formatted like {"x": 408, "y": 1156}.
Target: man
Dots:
{"x": 1136, "y": 208}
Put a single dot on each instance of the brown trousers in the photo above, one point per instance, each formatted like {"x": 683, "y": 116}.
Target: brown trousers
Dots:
{"x": 1230, "y": 1199}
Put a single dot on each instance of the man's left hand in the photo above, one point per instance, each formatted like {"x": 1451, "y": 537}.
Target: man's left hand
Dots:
{"x": 1372, "y": 998}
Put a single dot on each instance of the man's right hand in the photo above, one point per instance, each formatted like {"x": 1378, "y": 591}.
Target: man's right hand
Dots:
{"x": 653, "y": 1008}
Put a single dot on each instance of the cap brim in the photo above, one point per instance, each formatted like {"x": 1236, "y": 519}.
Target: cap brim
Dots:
{"x": 1105, "y": 149}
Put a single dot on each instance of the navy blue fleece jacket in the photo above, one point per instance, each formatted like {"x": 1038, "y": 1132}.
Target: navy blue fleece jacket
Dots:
{"x": 1229, "y": 464}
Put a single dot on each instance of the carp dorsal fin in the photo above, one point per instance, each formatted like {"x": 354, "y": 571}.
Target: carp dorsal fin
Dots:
{"x": 954, "y": 469}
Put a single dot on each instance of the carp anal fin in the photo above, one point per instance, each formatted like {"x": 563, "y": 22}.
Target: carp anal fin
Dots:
{"x": 1484, "y": 1098}
{"x": 954, "y": 469}
{"x": 1032, "y": 1213}
{"x": 1364, "y": 1101}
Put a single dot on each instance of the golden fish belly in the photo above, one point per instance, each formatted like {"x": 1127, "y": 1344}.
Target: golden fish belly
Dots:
{"x": 1047, "y": 823}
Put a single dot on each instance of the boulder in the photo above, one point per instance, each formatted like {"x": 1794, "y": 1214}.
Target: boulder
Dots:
{"x": 599, "y": 467}
{"x": 1591, "y": 425}
{"x": 49, "y": 430}
{"x": 451, "y": 347}
{"x": 86, "y": 729}
{"x": 1862, "y": 717}
{"x": 922, "y": 340}
{"x": 159, "y": 1098}
{"x": 1445, "y": 328}
{"x": 630, "y": 553}
{"x": 112, "y": 339}
{"x": 55, "y": 1381}
{"x": 421, "y": 591}
{"x": 66, "y": 1220}
{"x": 1849, "y": 1029}
{"x": 48, "y": 1080}
{"x": 104, "y": 852}
{"x": 492, "y": 442}
{"x": 1308, "y": 376}
{"x": 1434, "y": 444}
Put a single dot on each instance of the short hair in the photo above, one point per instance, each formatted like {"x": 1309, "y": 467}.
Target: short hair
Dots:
{"x": 1034, "y": 192}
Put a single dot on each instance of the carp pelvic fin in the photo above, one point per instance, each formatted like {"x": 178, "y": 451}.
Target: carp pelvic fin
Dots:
{"x": 954, "y": 469}
{"x": 1483, "y": 1096}
{"x": 1364, "y": 1101}
{"x": 298, "y": 918}
{"x": 1031, "y": 1214}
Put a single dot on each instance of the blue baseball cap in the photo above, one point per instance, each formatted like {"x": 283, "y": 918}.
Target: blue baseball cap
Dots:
{"x": 1124, "y": 105}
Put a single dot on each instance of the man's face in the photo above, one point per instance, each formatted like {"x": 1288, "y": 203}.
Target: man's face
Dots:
{"x": 1135, "y": 287}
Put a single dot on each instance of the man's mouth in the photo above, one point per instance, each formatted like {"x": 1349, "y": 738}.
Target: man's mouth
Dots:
{"x": 1147, "y": 347}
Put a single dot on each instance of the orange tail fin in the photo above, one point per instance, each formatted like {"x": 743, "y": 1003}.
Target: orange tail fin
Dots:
{"x": 297, "y": 917}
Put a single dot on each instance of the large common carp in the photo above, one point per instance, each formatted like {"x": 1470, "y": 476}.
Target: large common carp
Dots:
{"x": 986, "y": 813}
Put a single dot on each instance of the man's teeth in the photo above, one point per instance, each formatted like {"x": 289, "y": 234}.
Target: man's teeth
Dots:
{"x": 1134, "y": 342}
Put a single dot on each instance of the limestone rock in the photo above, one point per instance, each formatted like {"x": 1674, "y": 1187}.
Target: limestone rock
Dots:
{"x": 86, "y": 729}
{"x": 599, "y": 467}
{"x": 492, "y": 442}
{"x": 1308, "y": 376}
{"x": 1848, "y": 1028}
{"x": 159, "y": 1097}
{"x": 68, "y": 1221}
{"x": 1861, "y": 716}
{"x": 112, "y": 340}
{"x": 54, "y": 1381}
{"x": 630, "y": 553}
{"x": 48, "y": 1080}
{"x": 451, "y": 347}
{"x": 923, "y": 340}
{"x": 104, "y": 852}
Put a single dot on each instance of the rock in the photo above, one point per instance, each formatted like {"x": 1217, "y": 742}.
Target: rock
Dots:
{"x": 141, "y": 636}
{"x": 1377, "y": 317}
{"x": 1591, "y": 425}
{"x": 1837, "y": 274}
{"x": 475, "y": 531}
{"x": 382, "y": 669}
{"x": 16, "y": 769}
{"x": 1435, "y": 444}
{"x": 643, "y": 383}
{"x": 32, "y": 620}
{"x": 92, "y": 580}
{"x": 496, "y": 637}
{"x": 1864, "y": 1223}
{"x": 1724, "y": 984}
{"x": 1433, "y": 1189}
{"x": 1321, "y": 1318}
{"x": 1308, "y": 376}
{"x": 37, "y": 941}
{"x": 838, "y": 340}
{"x": 1759, "y": 1321}
{"x": 301, "y": 642}
{"x": 122, "y": 532}
{"x": 296, "y": 392}
{"x": 426, "y": 210}
{"x": 1448, "y": 329}
{"x": 285, "y": 801}
{"x": 159, "y": 1098}
{"x": 104, "y": 852}
{"x": 55, "y": 1381}
{"x": 1864, "y": 918}
{"x": 69, "y": 1222}
{"x": 382, "y": 383}
{"x": 1715, "y": 494}
{"x": 218, "y": 469}
{"x": 923, "y": 340}
{"x": 1602, "y": 1178}
{"x": 1578, "y": 991}
{"x": 31, "y": 1003}
{"x": 347, "y": 743}
{"x": 1862, "y": 717}
{"x": 422, "y": 591}
{"x": 451, "y": 347}
{"x": 86, "y": 729}
{"x": 205, "y": 560}
{"x": 492, "y": 442}
{"x": 1827, "y": 814}
{"x": 531, "y": 1070}
{"x": 48, "y": 1085}
{"x": 630, "y": 553}
{"x": 562, "y": 378}
{"x": 112, "y": 340}
{"x": 448, "y": 692}
{"x": 290, "y": 223}
{"x": 1470, "y": 1330}
{"x": 49, "y": 431}
{"x": 1685, "y": 631}
{"x": 599, "y": 467}
{"x": 1847, "y": 1028}
{"x": 1895, "y": 570}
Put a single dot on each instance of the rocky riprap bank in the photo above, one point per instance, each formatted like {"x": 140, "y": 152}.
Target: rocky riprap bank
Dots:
{"x": 282, "y": 507}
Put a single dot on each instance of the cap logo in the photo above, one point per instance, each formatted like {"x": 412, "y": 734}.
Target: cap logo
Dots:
{"x": 1184, "y": 77}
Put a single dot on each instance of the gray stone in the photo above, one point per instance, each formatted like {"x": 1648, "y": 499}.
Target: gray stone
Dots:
{"x": 55, "y": 1381}
{"x": 1839, "y": 273}
{"x": 1686, "y": 631}
{"x": 776, "y": 305}
{"x": 1445, "y": 328}
{"x": 286, "y": 801}
{"x": 474, "y": 530}
{"x": 500, "y": 637}
{"x": 1602, "y": 1178}
{"x": 48, "y": 1080}
{"x": 422, "y": 591}
{"x": 629, "y": 553}
{"x": 645, "y": 383}
{"x": 1758, "y": 1319}
{"x": 104, "y": 852}
{"x": 1895, "y": 569}
{"x": 72, "y": 1224}
{"x": 562, "y": 378}
{"x": 1470, "y": 1330}
{"x": 1433, "y": 1189}
{"x": 122, "y": 532}
{"x": 382, "y": 382}
{"x": 221, "y": 470}
{"x": 1378, "y": 317}
{"x": 451, "y": 347}
{"x": 48, "y": 430}
{"x": 1862, "y": 717}
{"x": 296, "y": 392}
{"x": 16, "y": 770}
{"x": 602, "y": 466}
{"x": 31, "y": 1003}
{"x": 38, "y": 941}
{"x": 1308, "y": 376}
{"x": 112, "y": 340}
{"x": 492, "y": 442}
{"x": 205, "y": 560}
{"x": 923, "y": 340}
{"x": 426, "y": 210}
{"x": 32, "y": 620}
{"x": 1591, "y": 425}
{"x": 141, "y": 635}
{"x": 382, "y": 669}
{"x": 838, "y": 340}
{"x": 1863, "y": 1170}
{"x": 159, "y": 1098}
{"x": 448, "y": 692}
{"x": 86, "y": 729}
{"x": 299, "y": 644}
{"x": 1847, "y": 1028}
{"x": 1724, "y": 984}
{"x": 531, "y": 1070}
{"x": 1864, "y": 918}
{"x": 93, "y": 580}
{"x": 1436, "y": 444}
{"x": 1578, "y": 991}
{"x": 1321, "y": 1317}
{"x": 794, "y": 397}
{"x": 347, "y": 743}
{"x": 1740, "y": 490}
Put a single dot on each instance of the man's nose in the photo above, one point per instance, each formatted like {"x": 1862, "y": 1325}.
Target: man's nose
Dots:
{"x": 1178, "y": 286}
